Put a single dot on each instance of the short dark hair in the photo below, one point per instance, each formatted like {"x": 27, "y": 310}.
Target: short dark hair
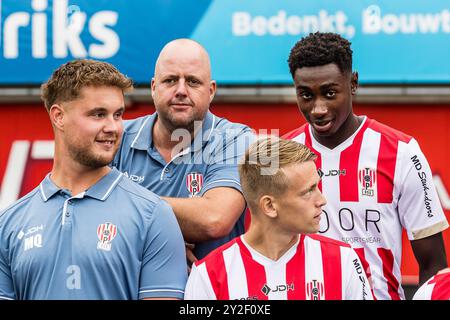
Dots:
{"x": 67, "y": 81}
{"x": 318, "y": 49}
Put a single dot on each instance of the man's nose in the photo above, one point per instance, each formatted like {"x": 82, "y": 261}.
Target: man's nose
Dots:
{"x": 181, "y": 89}
{"x": 112, "y": 124}
{"x": 320, "y": 108}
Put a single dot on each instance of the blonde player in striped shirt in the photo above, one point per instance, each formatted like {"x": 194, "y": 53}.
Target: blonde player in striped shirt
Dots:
{"x": 280, "y": 257}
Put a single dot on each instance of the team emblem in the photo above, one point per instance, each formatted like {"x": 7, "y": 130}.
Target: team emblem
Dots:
{"x": 194, "y": 183}
{"x": 367, "y": 179}
{"x": 315, "y": 290}
{"x": 106, "y": 232}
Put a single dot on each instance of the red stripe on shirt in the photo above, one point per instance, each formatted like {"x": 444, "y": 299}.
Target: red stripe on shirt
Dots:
{"x": 308, "y": 143}
{"x": 255, "y": 272}
{"x": 362, "y": 257}
{"x": 217, "y": 272}
{"x": 349, "y": 160}
{"x": 441, "y": 290}
{"x": 294, "y": 133}
{"x": 332, "y": 272}
{"x": 388, "y": 266}
{"x": 295, "y": 273}
{"x": 387, "y": 158}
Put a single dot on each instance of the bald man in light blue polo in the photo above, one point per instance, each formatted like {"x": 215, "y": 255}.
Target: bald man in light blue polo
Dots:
{"x": 88, "y": 232}
{"x": 185, "y": 153}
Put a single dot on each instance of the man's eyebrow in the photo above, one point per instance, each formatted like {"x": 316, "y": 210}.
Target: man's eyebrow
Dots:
{"x": 98, "y": 109}
{"x": 329, "y": 85}
{"x": 313, "y": 186}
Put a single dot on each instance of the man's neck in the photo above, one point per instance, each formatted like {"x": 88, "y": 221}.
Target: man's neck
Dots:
{"x": 268, "y": 241}
{"x": 162, "y": 141}
{"x": 348, "y": 128}
{"x": 75, "y": 177}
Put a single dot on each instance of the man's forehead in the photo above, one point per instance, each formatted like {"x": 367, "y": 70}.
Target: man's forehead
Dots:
{"x": 184, "y": 64}
{"x": 325, "y": 75}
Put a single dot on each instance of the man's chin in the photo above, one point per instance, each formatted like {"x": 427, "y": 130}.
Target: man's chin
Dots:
{"x": 182, "y": 123}
{"x": 97, "y": 161}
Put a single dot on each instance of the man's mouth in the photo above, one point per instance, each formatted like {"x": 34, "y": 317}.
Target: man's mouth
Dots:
{"x": 181, "y": 104}
{"x": 106, "y": 143}
{"x": 322, "y": 125}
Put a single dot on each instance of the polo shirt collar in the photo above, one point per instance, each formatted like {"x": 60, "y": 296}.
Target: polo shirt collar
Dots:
{"x": 47, "y": 188}
{"x": 103, "y": 188}
{"x": 144, "y": 138}
{"x": 100, "y": 191}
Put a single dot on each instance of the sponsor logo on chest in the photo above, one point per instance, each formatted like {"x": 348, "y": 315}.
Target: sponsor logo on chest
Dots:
{"x": 134, "y": 178}
{"x": 32, "y": 237}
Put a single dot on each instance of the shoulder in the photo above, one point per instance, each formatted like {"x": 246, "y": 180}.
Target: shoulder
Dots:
{"x": 388, "y": 132}
{"x": 223, "y": 126}
{"x": 295, "y": 133}
{"x": 327, "y": 241}
{"x": 217, "y": 254}
{"x": 19, "y": 205}
{"x": 139, "y": 196}
{"x": 132, "y": 127}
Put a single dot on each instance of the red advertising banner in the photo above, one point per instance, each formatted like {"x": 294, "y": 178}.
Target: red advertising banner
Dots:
{"x": 26, "y": 146}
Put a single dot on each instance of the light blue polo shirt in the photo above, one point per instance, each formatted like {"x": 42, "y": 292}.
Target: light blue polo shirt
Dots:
{"x": 210, "y": 162}
{"x": 116, "y": 240}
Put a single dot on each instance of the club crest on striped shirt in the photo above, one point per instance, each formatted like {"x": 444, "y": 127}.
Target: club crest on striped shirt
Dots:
{"x": 367, "y": 180}
{"x": 194, "y": 183}
{"x": 315, "y": 290}
{"x": 106, "y": 232}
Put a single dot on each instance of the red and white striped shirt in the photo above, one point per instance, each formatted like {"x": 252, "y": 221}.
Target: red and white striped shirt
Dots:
{"x": 315, "y": 268}
{"x": 376, "y": 182}
{"x": 437, "y": 288}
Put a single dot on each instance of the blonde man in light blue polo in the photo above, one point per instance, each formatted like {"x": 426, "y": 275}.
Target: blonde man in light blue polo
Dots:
{"x": 87, "y": 232}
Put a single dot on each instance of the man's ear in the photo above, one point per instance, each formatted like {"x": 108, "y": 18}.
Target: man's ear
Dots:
{"x": 56, "y": 113}
{"x": 152, "y": 87}
{"x": 212, "y": 90}
{"x": 354, "y": 82}
{"x": 268, "y": 206}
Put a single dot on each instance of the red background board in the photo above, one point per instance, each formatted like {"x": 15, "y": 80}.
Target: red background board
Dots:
{"x": 429, "y": 124}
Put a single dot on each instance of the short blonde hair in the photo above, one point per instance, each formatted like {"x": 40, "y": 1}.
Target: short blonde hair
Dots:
{"x": 260, "y": 171}
{"x": 67, "y": 81}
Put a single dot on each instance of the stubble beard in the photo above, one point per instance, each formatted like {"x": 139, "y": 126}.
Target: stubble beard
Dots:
{"x": 85, "y": 156}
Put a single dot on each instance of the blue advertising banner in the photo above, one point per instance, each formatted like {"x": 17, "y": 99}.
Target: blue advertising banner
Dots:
{"x": 394, "y": 42}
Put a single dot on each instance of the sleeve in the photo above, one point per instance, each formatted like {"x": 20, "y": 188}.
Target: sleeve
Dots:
{"x": 355, "y": 282}
{"x": 226, "y": 149}
{"x": 419, "y": 208}
{"x": 6, "y": 282}
{"x": 164, "y": 268}
{"x": 198, "y": 286}
{"x": 424, "y": 292}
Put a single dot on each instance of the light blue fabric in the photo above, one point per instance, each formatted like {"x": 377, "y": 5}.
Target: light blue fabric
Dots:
{"x": 116, "y": 240}
{"x": 214, "y": 155}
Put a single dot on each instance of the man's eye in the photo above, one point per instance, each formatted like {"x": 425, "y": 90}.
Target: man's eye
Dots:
{"x": 305, "y": 95}
{"x": 194, "y": 81}
{"x": 331, "y": 94}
